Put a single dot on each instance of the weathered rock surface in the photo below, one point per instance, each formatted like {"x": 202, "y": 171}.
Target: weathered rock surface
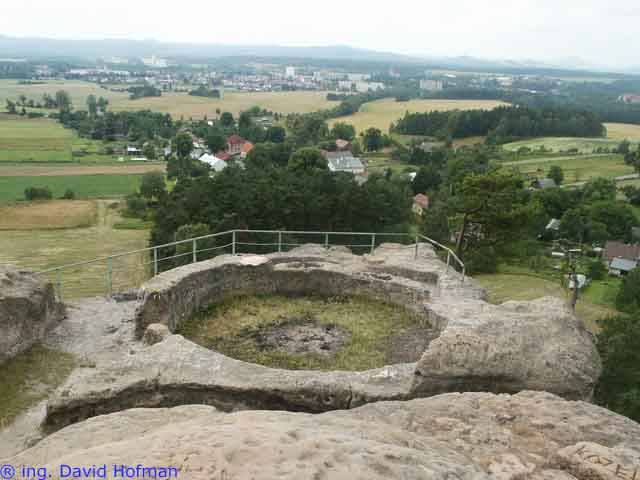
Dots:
{"x": 155, "y": 333}
{"x": 482, "y": 347}
{"x": 531, "y": 435}
{"x": 28, "y": 309}
{"x": 515, "y": 346}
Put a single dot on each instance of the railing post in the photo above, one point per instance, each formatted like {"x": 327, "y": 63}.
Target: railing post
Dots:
{"x": 59, "y": 282}
{"x": 416, "y": 252}
{"x": 279, "y": 242}
{"x": 464, "y": 270}
{"x": 233, "y": 242}
{"x": 326, "y": 240}
{"x": 155, "y": 261}
{"x": 373, "y": 242}
{"x": 448, "y": 260}
{"x": 194, "y": 251}
{"x": 109, "y": 276}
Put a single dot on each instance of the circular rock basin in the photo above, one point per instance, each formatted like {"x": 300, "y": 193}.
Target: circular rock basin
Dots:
{"x": 336, "y": 333}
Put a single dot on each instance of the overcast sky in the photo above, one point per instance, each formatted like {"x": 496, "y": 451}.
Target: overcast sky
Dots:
{"x": 600, "y": 32}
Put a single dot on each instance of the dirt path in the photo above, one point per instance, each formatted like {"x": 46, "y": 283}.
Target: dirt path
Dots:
{"x": 73, "y": 169}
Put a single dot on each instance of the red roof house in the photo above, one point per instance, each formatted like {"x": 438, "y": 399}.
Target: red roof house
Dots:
{"x": 234, "y": 144}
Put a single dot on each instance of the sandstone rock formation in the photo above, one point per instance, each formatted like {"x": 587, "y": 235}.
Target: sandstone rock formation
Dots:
{"x": 531, "y": 435}
{"x": 482, "y": 347}
{"x": 28, "y": 309}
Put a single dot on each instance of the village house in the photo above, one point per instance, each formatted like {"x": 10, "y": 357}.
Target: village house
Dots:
{"x": 214, "y": 162}
{"x": 344, "y": 162}
{"x": 621, "y": 258}
{"x": 420, "y": 204}
{"x": 246, "y": 148}
{"x": 234, "y": 144}
{"x": 343, "y": 145}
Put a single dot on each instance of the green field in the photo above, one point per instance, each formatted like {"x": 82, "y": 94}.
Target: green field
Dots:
{"x": 84, "y": 186}
{"x": 381, "y": 113}
{"x": 45, "y": 140}
{"x": 578, "y": 168}
{"x": 595, "y": 302}
{"x": 564, "y": 144}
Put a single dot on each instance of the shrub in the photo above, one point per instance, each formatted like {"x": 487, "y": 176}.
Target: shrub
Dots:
{"x": 37, "y": 193}
{"x": 481, "y": 260}
{"x": 596, "y": 270}
{"x": 136, "y": 205}
{"x": 628, "y": 299}
{"x": 69, "y": 194}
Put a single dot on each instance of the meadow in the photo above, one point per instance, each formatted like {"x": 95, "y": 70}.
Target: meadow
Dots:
{"x": 563, "y": 144}
{"x": 381, "y": 113}
{"x": 579, "y": 168}
{"x": 84, "y": 186}
{"x": 59, "y": 242}
{"x": 55, "y": 214}
{"x": 622, "y": 131}
{"x": 24, "y": 139}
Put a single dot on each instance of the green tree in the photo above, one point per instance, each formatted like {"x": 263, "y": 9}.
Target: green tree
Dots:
{"x": 628, "y": 298}
{"x": 616, "y": 216}
{"x": 574, "y": 225}
{"x": 619, "y": 386}
{"x": 63, "y": 101}
{"x": 216, "y": 142}
{"x": 152, "y": 185}
{"x": 599, "y": 189}
{"x": 372, "y": 139}
{"x": 149, "y": 151}
{"x": 227, "y": 120}
{"x": 624, "y": 147}
{"x": 492, "y": 211}
{"x": 427, "y": 179}
{"x": 92, "y": 105}
{"x": 102, "y": 104}
{"x": 435, "y": 223}
{"x": 556, "y": 174}
{"x": 184, "y": 145}
{"x": 275, "y": 134}
{"x": 307, "y": 159}
{"x": 11, "y": 107}
{"x": 596, "y": 270}
{"x": 344, "y": 131}
{"x": 203, "y": 246}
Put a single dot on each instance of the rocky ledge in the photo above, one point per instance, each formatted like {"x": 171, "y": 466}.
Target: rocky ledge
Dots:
{"x": 28, "y": 310}
{"x": 505, "y": 348}
{"x": 531, "y": 435}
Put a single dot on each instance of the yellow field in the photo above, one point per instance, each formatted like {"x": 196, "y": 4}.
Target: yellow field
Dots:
{"x": 622, "y": 131}
{"x": 48, "y": 215}
{"x": 381, "y": 113}
{"x": 182, "y": 104}
{"x": 177, "y": 104}
{"x": 79, "y": 91}
{"x": 64, "y": 170}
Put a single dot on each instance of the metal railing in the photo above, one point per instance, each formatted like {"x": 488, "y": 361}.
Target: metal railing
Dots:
{"x": 128, "y": 270}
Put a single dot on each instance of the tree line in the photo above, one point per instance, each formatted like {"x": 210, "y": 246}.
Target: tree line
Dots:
{"x": 501, "y": 124}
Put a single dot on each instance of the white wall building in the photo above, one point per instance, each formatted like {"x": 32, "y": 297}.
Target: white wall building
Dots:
{"x": 431, "y": 85}
{"x": 290, "y": 72}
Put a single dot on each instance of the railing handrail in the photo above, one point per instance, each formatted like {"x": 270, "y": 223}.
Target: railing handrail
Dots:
{"x": 234, "y": 243}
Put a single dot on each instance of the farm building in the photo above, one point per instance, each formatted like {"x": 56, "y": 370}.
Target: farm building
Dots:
{"x": 622, "y": 266}
{"x": 234, "y": 144}
{"x": 344, "y": 162}
{"x": 214, "y": 162}
{"x": 613, "y": 250}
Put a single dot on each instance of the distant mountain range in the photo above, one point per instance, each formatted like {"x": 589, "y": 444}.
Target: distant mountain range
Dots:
{"x": 39, "y": 48}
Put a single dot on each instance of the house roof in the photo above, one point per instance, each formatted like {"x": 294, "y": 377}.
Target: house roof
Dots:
{"x": 554, "y": 224}
{"x": 422, "y": 200}
{"x": 247, "y": 147}
{"x": 236, "y": 140}
{"x": 623, "y": 264}
{"x": 546, "y": 183}
{"x": 214, "y": 162}
{"x": 223, "y": 156}
{"x": 621, "y": 250}
{"x": 342, "y": 143}
{"x": 343, "y": 161}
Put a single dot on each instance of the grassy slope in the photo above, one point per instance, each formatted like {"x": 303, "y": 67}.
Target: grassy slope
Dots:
{"x": 56, "y": 214}
{"x": 382, "y": 113}
{"x": 42, "y": 249}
